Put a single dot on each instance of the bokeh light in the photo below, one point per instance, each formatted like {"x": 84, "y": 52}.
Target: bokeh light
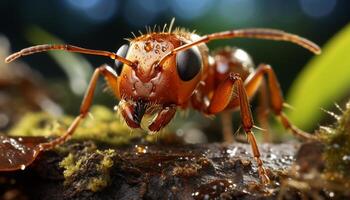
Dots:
{"x": 95, "y": 10}
{"x": 154, "y": 5}
{"x": 189, "y": 10}
{"x": 103, "y": 11}
{"x": 138, "y": 14}
{"x": 237, "y": 11}
{"x": 82, "y": 4}
{"x": 318, "y": 8}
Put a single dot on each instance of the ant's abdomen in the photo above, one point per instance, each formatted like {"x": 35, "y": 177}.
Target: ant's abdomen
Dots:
{"x": 231, "y": 59}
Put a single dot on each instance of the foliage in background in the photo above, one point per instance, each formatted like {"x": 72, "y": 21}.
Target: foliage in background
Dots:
{"x": 323, "y": 82}
{"x": 75, "y": 66}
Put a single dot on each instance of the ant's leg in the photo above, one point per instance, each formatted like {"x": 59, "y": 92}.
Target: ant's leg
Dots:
{"x": 263, "y": 112}
{"x": 198, "y": 103}
{"x": 276, "y": 98}
{"x": 109, "y": 74}
{"x": 226, "y": 121}
{"x": 222, "y": 97}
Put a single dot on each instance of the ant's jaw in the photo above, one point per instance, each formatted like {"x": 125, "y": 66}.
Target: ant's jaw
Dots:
{"x": 132, "y": 112}
{"x": 138, "y": 113}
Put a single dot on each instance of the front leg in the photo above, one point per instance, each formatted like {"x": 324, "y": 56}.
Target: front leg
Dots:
{"x": 107, "y": 72}
{"x": 163, "y": 118}
{"x": 229, "y": 91}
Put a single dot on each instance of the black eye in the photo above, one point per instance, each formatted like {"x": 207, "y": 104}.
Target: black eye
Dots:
{"x": 122, "y": 51}
{"x": 188, "y": 64}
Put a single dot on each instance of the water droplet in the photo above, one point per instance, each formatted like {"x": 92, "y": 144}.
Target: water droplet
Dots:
{"x": 231, "y": 152}
{"x": 346, "y": 158}
{"x": 141, "y": 149}
{"x": 148, "y": 46}
{"x": 195, "y": 194}
{"x": 331, "y": 194}
{"x": 272, "y": 156}
{"x": 23, "y": 167}
{"x": 164, "y": 48}
{"x": 180, "y": 132}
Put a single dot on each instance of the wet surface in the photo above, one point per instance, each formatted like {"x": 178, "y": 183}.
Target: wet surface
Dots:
{"x": 18, "y": 152}
{"x": 207, "y": 171}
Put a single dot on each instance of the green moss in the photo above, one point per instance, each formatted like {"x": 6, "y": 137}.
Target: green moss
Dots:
{"x": 70, "y": 166}
{"x": 86, "y": 170}
{"x": 96, "y": 184}
{"x": 39, "y": 124}
{"x": 103, "y": 125}
{"x": 337, "y": 153}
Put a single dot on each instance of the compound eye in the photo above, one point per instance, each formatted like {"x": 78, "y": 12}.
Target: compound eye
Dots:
{"x": 122, "y": 51}
{"x": 188, "y": 64}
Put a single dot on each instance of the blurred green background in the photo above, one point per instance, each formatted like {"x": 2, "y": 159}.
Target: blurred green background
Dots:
{"x": 102, "y": 24}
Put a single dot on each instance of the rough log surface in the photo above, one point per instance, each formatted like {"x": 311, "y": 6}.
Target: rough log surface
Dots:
{"x": 206, "y": 171}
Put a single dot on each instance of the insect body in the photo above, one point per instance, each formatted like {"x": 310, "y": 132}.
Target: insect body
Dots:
{"x": 159, "y": 72}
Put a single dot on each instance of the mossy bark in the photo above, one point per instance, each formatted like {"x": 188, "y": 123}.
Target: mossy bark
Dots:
{"x": 205, "y": 171}
{"x": 140, "y": 168}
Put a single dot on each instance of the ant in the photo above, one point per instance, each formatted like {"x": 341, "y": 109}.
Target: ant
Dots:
{"x": 159, "y": 72}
